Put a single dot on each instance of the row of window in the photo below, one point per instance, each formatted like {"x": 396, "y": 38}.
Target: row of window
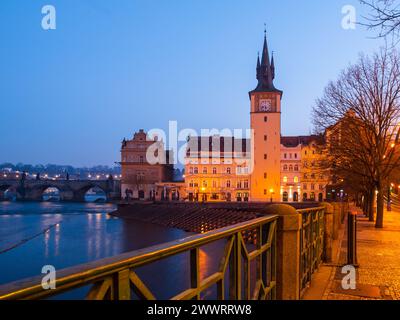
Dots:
{"x": 313, "y": 176}
{"x": 239, "y": 170}
{"x": 295, "y": 180}
{"x": 290, "y": 168}
{"x": 295, "y": 197}
{"x": 313, "y": 187}
{"x": 290, "y": 156}
{"x": 140, "y": 159}
{"x": 214, "y": 184}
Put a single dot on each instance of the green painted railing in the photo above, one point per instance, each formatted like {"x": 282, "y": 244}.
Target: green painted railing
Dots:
{"x": 116, "y": 278}
{"x": 311, "y": 244}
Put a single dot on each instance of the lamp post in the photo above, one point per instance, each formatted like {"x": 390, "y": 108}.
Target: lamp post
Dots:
{"x": 203, "y": 190}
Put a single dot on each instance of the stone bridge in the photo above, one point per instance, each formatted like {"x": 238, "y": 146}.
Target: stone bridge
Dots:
{"x": 69, "y": 190}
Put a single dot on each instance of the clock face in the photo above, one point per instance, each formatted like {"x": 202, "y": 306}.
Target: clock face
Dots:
{"x": 265, "y": 105}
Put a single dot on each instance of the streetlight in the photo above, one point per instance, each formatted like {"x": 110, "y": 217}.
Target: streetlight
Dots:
{"x": 272, "y": 194}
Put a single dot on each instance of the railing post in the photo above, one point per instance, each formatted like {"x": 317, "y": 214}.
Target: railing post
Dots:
{"x": 336, "y": 219}
{"x": 352, "y": 239}
{"x": 288, "y": 251}
{"x": 328, "y": 232}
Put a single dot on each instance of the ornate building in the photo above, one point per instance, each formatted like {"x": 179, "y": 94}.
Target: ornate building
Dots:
{"x": 139, "y": 177}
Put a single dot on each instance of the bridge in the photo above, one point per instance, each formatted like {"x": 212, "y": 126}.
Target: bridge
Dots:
{"x": 69, "y": 190}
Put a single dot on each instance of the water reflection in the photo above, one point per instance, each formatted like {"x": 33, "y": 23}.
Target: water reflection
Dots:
{"x": 64, "y": 235}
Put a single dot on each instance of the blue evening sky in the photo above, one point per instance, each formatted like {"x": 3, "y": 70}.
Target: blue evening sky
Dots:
{"x": 70, "y": 95}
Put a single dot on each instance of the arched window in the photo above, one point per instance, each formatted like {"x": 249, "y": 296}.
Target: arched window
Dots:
{"x": 296, "y": 179}
{"x": 196, "y": 170}
{"x": 204, "y": 170}
{"x": 214, "y": 170}
{"x": 228, "y": 170}
{"x": 285, "y": 179}
{"x": 290, "y": 168}
{"x": 296, "y": 168}
{"x": 285, "y": 167}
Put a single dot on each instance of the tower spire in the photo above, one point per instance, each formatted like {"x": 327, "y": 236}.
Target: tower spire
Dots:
{"x": 266, "y": 69}
{"x": 273, "y": 66}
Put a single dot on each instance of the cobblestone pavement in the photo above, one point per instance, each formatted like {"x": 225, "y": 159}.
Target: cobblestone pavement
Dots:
{"x": 378, "y": 275}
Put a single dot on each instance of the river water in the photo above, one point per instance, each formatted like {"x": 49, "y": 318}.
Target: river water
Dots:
{"x": 66, "y": 234}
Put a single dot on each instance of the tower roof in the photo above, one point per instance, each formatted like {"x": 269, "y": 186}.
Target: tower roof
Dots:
{"x": 265, "y": 71}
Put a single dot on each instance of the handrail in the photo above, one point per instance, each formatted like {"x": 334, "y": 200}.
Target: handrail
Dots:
{"x": 310, "y": 209}
{"x": 101, "y": 270}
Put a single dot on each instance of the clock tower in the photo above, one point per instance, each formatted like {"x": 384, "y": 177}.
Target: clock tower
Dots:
{"x": 266, "y": 126}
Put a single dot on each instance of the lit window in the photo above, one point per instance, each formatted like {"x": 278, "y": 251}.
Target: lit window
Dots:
{"x": 296, "y": 179}
{"x": 285, "y": 179}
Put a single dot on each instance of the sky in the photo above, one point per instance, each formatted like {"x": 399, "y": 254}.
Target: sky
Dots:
{"x": 110, "y": 68}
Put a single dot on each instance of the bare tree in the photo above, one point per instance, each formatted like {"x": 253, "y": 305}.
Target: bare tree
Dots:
{"x": 384, "y": 17}
{"x": 360, "y": 115}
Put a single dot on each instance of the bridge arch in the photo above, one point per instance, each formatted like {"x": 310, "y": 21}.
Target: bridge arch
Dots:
{"x": 51, "y": 194}
{"x": 7, "y": 192}
{"x": 82, "y": 194}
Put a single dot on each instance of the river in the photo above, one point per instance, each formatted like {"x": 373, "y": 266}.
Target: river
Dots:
{"x": 66, "y": 234}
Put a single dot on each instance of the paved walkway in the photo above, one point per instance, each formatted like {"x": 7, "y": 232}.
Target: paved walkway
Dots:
{"x": 378, "y": 275}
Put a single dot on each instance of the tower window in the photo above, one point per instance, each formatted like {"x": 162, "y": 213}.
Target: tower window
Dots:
{"x": 265, "y": 119}
{"x": 265, "y": 175}
{"x": 265, "y": 138}
{"x": 265, "y": 157}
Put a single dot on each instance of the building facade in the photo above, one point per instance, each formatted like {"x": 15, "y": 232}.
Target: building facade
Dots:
{"x": 217, "y": 169}
{"x": 139, "y": 176}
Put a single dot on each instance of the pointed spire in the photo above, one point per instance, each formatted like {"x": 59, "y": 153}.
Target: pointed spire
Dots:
{"x": 266, "y": 70}
{"x": 273, "y": 66}
{"x": 265, "y": 54}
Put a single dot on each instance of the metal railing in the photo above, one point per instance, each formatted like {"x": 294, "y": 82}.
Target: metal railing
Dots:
{"x": 311, "y": 244}
{"x": 116, "y": 278}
